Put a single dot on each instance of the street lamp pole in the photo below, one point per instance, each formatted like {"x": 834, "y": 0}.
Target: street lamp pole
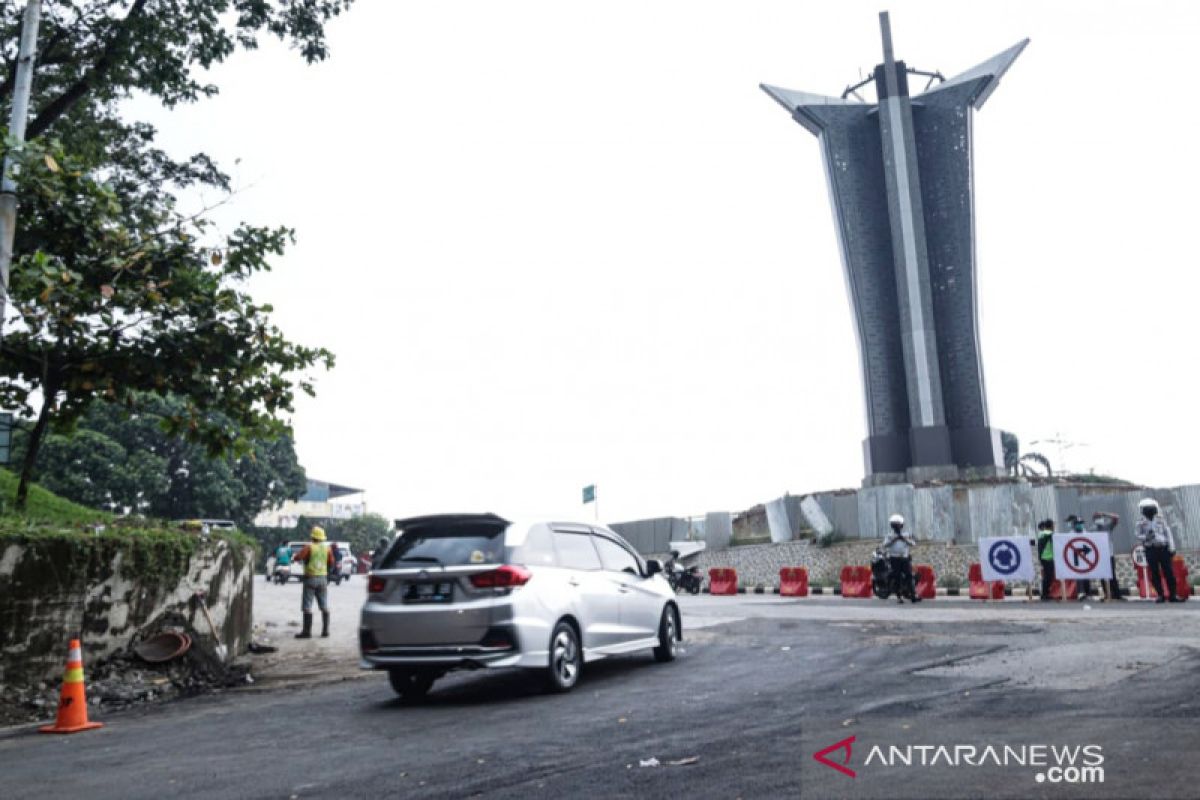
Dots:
{"x": 22, "y": 87}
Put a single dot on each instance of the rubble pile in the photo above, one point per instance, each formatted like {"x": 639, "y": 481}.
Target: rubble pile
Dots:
{"x": 125, "y": 680}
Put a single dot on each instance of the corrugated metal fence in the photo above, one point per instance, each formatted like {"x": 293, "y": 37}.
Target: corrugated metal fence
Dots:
{"x": 961, "y": 514}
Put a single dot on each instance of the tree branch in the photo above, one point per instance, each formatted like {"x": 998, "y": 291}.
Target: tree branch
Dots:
{"x": 108, "y": 58}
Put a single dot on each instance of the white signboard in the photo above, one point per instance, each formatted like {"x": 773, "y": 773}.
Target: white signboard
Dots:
{"x": 1006, "y": 558}
{"x": 1080, "y": 556}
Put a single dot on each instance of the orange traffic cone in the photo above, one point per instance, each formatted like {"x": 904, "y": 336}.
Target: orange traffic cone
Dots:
{"x": 72, "y": 702}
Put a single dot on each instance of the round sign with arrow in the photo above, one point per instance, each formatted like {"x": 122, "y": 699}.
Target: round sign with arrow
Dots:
{"x": 1080, "y": 555}
{"x": 1004, "y": 557}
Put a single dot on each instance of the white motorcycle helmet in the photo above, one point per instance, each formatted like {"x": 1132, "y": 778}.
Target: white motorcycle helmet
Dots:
{"x": 895, "y": 519}
{"x": 1148, "y": 502}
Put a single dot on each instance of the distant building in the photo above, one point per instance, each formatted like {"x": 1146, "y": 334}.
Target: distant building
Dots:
{"x": 322, "y": 500}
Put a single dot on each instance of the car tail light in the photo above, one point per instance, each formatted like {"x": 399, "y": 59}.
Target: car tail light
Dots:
{"x": 375, "y": 584}
{"x": 506, "y": 577}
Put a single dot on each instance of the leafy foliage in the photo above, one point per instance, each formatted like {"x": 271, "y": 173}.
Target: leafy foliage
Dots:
{"x": 114, "y": 290}
{"x": 126, "y": 461}
{"x": 363, "y": 532}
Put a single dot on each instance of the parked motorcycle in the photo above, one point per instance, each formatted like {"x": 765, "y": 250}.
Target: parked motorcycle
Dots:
{"x": 885, "y": 583}
{"x": 683, "y": 578}
{"x": 282, "y": 573}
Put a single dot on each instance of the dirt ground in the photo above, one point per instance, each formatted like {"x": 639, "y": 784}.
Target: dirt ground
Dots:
{"x": 277, "y": 621}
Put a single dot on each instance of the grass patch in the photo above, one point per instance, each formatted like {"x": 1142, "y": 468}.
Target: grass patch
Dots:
{"x": 44, "y": 506}
{"x": 72, "y": 534}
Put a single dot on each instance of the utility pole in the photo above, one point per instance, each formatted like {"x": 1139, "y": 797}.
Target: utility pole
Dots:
{"x": 16, "y": 131}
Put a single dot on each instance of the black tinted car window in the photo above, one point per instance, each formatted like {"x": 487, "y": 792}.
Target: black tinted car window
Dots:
{"x": 537, "y": 550}
{"x": 575, "y": 551}
{"x": 447, "y": 545}
{"x": 615, "y": 557}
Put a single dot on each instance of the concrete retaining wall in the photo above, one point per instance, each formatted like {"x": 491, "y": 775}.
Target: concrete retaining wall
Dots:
{"x": 109, "y": 602}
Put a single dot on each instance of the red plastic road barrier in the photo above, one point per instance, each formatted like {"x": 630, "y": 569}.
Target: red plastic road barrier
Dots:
{"x": 722, "y": 580}
{"x": 1056, "y": 590}
{"x": 793, "y": 582}
{"x": 926, "y": 588}
{"x": 856, "y": 581}
{"x": 980, "y": 589}
{"x": 1146, "y": 586}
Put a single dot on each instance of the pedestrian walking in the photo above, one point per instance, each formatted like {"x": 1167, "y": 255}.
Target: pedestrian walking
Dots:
{"x": 1154, "y": 535}
{"x": 318, "y": 561}
{"x": 898, "y": 546}
{"x": 1045, "y": 551}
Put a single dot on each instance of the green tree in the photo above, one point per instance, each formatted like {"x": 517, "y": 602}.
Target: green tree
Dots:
{"x": 364, "y": 532}
{"x": 93, "y": 470}
{"x": 114, "y": 290}
{"x": 124, "y": 460}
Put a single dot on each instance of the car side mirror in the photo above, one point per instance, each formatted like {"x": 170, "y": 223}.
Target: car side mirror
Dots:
{"x": 653, "y": 567}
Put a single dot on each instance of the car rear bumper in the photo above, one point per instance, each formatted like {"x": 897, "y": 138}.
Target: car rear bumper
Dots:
{"x": 499, "y": 647}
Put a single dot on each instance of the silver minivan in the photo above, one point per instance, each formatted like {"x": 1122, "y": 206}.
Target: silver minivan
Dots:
{"x": 471, "y": 591}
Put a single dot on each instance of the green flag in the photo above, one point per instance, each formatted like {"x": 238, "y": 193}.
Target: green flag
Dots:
{"x": 589, "y": 494}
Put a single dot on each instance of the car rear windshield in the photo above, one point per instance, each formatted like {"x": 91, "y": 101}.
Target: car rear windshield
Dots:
{"x": 447, "y": 545}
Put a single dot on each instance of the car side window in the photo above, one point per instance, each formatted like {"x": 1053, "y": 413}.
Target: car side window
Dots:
{"x": 615, "y": 557}
{"x": 537, "y": 550}
{"x": 575, "y": 551}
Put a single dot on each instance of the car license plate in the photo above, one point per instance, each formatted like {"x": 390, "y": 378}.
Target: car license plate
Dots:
{"x": 429, "y": 593}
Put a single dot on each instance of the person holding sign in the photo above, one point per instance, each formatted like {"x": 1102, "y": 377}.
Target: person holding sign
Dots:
{"x": 1106, "y": 522}
{"x": 1045, "y": 551}
{"x": 1156, "y": 538}
{"x": 1075, "y": 524}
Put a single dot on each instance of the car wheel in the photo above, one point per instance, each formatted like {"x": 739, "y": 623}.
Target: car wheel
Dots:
{"x": 695, "y": 587}
{"x": 411, "y": 686}
{"x": 566, "y": 658}
{"x": 666, "y": 637}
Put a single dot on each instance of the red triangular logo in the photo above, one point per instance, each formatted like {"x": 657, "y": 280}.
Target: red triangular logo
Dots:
{"x": 844, "y": 744}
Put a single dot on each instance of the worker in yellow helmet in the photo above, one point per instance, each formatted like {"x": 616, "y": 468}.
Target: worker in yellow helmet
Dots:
{"x": 317, "y": 556}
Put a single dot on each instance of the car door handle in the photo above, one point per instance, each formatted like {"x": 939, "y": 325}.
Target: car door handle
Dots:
{"x": 623, "y": 590}
{"x": 573, "y": 581}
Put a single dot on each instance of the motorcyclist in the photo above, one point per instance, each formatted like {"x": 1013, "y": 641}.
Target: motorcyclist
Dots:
{"x": 673, "y": 569}
{"x": 898, "y": 544}
{"x": 281, "y": 566}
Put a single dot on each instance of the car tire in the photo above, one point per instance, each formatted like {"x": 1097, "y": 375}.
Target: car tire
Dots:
{"x": 695, "y": 588}
{"x": 667, "y": 637}
{"x": 566, "y": 658}
{"x": 409, "y": 685}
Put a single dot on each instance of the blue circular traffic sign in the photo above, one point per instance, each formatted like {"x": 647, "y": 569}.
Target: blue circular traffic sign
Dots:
{"x": 1004, "y": 557}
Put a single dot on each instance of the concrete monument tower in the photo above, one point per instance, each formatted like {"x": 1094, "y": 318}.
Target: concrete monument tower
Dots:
{"x": 901, "y": 184}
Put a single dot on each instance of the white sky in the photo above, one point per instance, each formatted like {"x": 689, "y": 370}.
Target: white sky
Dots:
{"x": 561, "y": 243}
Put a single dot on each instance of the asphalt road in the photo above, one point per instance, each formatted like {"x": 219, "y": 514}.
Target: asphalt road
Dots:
{"x": 762, "y": 686}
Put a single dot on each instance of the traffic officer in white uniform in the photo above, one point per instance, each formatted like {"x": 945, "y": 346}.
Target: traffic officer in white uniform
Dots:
{"x": 898, "y": 547}
{"x": 1159, "y": 544}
